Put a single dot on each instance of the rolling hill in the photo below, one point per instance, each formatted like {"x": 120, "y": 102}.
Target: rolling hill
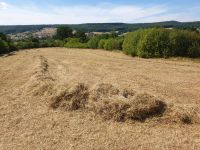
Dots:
{"x": 101, "y": 27}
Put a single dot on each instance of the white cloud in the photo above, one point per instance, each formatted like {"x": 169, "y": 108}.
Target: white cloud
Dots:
{"x": 3, "y": 5}
{"x": 86, "y": 14}
{"x": 77, "y": 14}
{"x": 191, "y": 14}
{"x": 106, "y": 13}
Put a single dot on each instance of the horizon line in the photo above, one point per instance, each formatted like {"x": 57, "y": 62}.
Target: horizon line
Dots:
{"x": 104, "y": 23}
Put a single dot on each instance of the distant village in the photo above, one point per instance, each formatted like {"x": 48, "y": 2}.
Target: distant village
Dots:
{"x": 41, "y": 34}
{"x": 47, "y": 33}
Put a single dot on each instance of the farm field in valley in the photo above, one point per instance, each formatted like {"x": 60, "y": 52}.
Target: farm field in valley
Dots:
{"x": 36, "y": 85}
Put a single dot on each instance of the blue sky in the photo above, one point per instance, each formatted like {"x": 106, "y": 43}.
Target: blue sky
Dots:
{"x": 14, "y": 12}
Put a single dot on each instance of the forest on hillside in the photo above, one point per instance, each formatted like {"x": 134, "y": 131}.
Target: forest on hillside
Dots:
{"x": 102, "y": 27}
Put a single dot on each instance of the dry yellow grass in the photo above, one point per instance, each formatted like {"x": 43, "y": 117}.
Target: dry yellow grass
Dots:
{"x": 30, "y": 80}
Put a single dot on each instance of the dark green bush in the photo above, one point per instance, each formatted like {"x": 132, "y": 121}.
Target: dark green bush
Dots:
{"x": 102, "y": 43}
{"x": 113, "y": 44}
{"x": 106, "y": 41}
{"x": 57, "y": 43}
{"x": 93, "y": 42}
{"x": 75, "y": 43}
{"x": 4, "y": 47}
{"x": 131, "y": 42}
{"x": 154, "y": 43}
{"x": 63, "y": 32}
{"x": 25, "y": 44}
{"x": 194, "y": 51}
{"x": 81, "y": 35}
{"x": 3, "y": 37}
{"x": 185, "y": 43}
{"x": 51, "y": 43}
{"x": 46, "y": 43}
{"x": 12, "y": 47}
{"x": 179, "y": 43}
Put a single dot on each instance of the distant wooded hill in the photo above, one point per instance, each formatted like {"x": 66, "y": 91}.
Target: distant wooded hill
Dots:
{"x": 102, "y": 27}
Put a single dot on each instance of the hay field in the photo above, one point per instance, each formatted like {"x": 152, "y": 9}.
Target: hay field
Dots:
{"x": 57, "y": 98}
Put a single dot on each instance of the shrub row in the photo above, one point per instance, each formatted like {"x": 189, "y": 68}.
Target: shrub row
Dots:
{"x": 6, "y": 45}
{"x": 79, "y": 40}
{"x": 154, "y": 42}
{"x": 9, "y": 46}
{"x": 107, "y": 43}
{"x": 97, "y": 42}
{"x": 159, "y": 42}
{"x": 40, "y": 43}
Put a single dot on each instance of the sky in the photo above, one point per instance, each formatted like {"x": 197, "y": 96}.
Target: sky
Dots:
{"x": 26, "y": 12}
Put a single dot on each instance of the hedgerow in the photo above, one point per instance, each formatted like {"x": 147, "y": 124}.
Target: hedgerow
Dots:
{"x": 160, "y": 42}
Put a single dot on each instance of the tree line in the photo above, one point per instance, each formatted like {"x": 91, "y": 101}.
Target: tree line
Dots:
{"x": 146, "y": 43}
{"x": 160, "y": 42}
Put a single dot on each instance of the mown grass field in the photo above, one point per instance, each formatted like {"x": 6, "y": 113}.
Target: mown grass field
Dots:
{"x": 58, "y": 98}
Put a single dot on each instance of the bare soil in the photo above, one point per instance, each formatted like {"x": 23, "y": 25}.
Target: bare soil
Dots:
{"x": 57, "y": 98}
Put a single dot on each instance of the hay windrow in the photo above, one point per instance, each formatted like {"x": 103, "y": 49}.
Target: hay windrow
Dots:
{"x": 140, "y": 108}
{"x": 43, "y": 64}
{"x": 107, "y": 101}
{"x": 120, "y": 105}
{"x": 41, "y": 82}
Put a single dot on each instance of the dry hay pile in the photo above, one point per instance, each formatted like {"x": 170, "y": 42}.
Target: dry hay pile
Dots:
{"x": 183, "y": 114}
{"x": 73, "y": 99}
{"x": 111, "y": 103}
{"x": 120, "y": 105}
